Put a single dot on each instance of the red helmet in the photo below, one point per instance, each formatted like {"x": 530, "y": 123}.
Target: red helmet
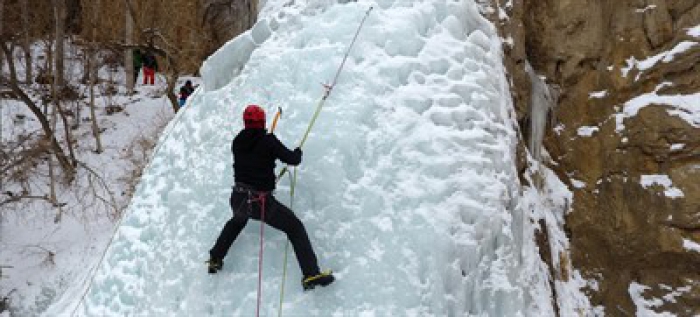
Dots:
{"x": 254, "y": 117}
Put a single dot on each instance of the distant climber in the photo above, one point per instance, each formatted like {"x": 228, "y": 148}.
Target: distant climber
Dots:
{"x": 150, "y": 66}
{"x": 254, "y": 153}
{"x": 185, "y": 91}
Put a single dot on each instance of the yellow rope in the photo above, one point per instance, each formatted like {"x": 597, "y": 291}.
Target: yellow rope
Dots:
{"x": 326, "y": 93}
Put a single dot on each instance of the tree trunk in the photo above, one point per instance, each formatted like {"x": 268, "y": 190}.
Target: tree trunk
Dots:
{"x": 2, "y": 13}
{"x": 58, "y": 78}
{"x": 93, "y": 67}
{"x": 52, "y": 174}
{"x": 68, "y": 135}
{"x": 128, "y": 53}
{"x": 28, "y": 73}
{"x": 171, "y": 80}
{"x": 60, "y": 17}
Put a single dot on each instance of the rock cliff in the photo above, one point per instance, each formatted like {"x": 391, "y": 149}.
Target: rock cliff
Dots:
{"x": 624, "y": 135}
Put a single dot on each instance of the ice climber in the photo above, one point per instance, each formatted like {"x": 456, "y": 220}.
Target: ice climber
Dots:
{"x": 254, "y": 153}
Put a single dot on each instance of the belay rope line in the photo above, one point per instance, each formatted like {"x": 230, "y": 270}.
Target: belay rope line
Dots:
{"x": 262, "y": 226}
{"x": 292, "y": 184}
{"x": 293, "y": 179}
{"x": 261, "y": 199}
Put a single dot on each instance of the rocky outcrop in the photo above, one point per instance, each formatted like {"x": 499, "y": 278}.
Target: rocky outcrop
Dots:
{"x": 224, "y": 19}
{"x": 626, "y": 137}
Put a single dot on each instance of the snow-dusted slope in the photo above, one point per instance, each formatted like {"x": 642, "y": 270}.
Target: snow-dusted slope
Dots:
{"x": 408, "y": 187}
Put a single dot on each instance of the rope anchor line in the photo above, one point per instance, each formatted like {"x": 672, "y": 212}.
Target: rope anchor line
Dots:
{"x": 328, "y": 88}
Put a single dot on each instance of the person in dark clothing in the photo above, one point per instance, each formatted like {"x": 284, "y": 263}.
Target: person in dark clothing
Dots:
{"x": 255, "y": 152}
{"x": 138, "y": 62}
{"x": 150, "y": 66}
{"x": 185, "y": 91}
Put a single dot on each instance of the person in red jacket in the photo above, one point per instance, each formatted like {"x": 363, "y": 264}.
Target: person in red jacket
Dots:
{"x": 255, "y": 152}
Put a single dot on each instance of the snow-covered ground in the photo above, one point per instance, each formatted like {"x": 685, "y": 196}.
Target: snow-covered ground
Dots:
{"x": 408, "y": 187}
{"x": 47, "y": 251}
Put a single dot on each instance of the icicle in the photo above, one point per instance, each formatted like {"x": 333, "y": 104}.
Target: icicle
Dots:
{"x": 541, "y": 102}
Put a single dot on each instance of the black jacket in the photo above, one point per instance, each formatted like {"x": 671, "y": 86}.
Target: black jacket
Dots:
{"x": 186, "y": 91}
{"x": 150, "y": 61}
{"x": 254, "y": 154}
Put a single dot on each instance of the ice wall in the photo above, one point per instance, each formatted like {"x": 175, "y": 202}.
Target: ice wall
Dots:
{"x": 408, "y": 187}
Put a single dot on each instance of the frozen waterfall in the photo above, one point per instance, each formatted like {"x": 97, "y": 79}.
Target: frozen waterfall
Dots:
{"x": 408, "y": 187}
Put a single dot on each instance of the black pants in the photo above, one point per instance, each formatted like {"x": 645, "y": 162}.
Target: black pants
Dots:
{"x": 245, "y": 205}
{"x": 137, "y": 70}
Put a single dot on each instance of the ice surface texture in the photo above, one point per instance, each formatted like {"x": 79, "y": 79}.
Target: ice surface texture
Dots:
{"x": 408, "y": 187}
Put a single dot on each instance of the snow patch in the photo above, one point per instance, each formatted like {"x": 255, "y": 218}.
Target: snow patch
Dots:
{"x": 559, "y": 128}
{"x": 649, "y": 62}
{"x": 671, "y": 296}
{"x": 598, "y": 94}
{"x": 663, "y": 181}
{"x": 686, "y": 107}
{"x": 647, "y": 8}
{"x": 691, "y": 245}
{"x": 694, "y": 31}
{"x": 587, "y": 131}
{"x": 644, "y": 306}
{"x": 578, "y": 184}
{"x": 677, "y": 146}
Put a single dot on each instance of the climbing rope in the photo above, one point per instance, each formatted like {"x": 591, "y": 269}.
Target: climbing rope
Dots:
{"x": 260, "y": 198}
{"x": 327, "y": 92}
{"x": 328, "y": 89}
{"x": 292, "y": 185}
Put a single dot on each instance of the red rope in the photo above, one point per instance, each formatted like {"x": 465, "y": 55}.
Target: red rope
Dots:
{"x": 261, "y": 198}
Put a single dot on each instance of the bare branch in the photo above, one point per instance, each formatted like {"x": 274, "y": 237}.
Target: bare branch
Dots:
{"x": 13, "y": 83}
{"x": 15, "y": 199}
{"x": 112, "y": 201}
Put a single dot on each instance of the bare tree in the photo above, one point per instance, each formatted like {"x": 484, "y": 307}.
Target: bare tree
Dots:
{"x": 59, "y": 81}
{"x": 27, "y": 42}
{"x": 60, "y": 20}
{"x": 168, "y": 51}
{"x": 92, "y": 62}
{"x": 57, "y": 88}
{"x": 128, "y": 53}
{"x": 2, "y": 13}
{"x": 13, "y": 83}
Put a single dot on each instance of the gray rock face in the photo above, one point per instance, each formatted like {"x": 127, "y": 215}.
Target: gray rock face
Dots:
{"x": 225, "y": 19}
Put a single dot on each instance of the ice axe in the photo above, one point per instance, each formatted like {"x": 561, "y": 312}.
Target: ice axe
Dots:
{"x": 277, "y": 117}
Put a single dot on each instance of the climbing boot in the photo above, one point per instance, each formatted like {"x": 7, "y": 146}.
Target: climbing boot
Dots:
{"x": 323, "y": 279}
{"x": 215, "y": 265}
